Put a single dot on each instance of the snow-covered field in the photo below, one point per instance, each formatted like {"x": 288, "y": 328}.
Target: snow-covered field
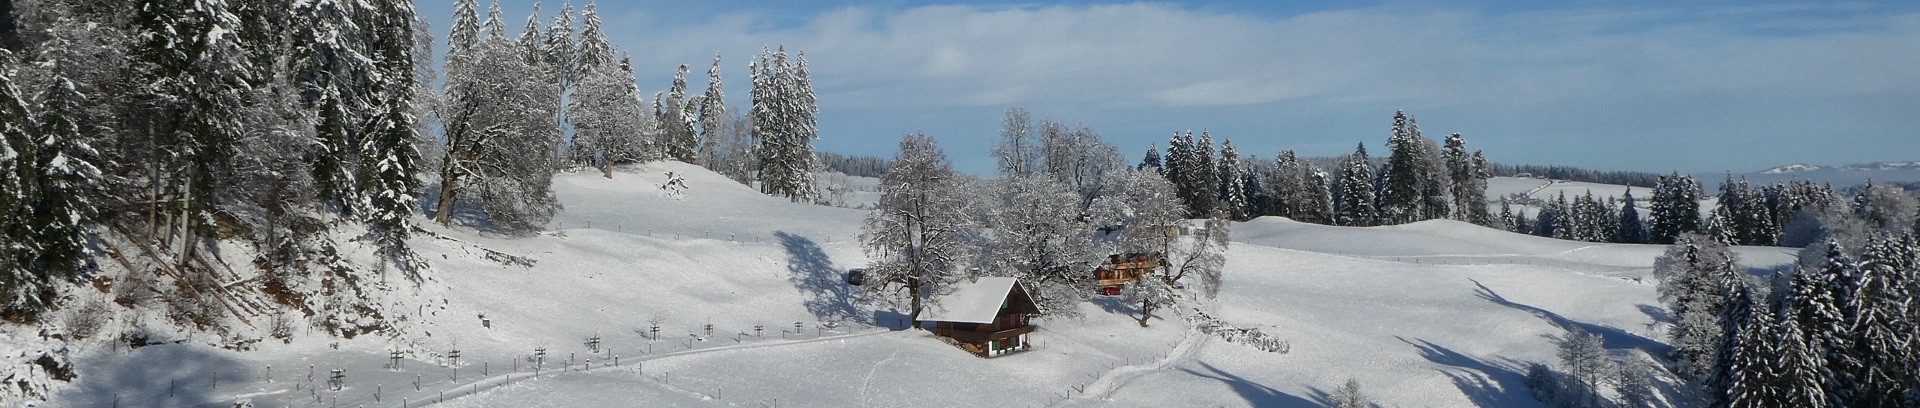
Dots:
{"x": 1436, "y": 313}
{"x": 1547, "y": 190}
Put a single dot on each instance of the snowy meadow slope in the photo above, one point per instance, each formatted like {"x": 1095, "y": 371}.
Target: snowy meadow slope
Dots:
{"x": 1435, "y": 313}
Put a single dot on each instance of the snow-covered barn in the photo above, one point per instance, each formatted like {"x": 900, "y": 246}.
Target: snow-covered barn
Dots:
{"x": 988, "y": 317}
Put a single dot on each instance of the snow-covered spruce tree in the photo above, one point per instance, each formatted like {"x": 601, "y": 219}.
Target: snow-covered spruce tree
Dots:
{"x": 1253, "y": 181}
{"x": 1316, "y": 200}
{"x": 594, "y": 49}
{"x": 196, "y": 90}
{"x": 1609, "y": 223}
{"x": 1233, "y": 195}
{"x": 1676, "y": 208}
{"x": 1397, "y": 188}
{"x": 1632, "y": 230}
{"x": 532, "y": 45}
{"x": 1356, "y": 204}
{"x": 65, "y": 180}
{"x": 712, "y": 116}
{"x": 1285, "y": 185}
{"x": 332, "y": 66}
{"x": 555, "y": 52}
{"x": 572, "y": 58}
{"x": 391, "y": 178}
{"x": 1816, "y": 310}
{"x": 1179, "y": 155}
{"x": 1469, "y": 174}
{"x": 681, "y": 141}
{"x": 1436, "y": 192}
{"x": 1205, "y": 172}
{"x": 1521, "y": 224}
{"x": 610, "y": 124}
{"x": 919, "y": 234}
{"x": 1040, "y": 238}
{"x": 1017, "y": 152}
{"x": 1596, "y": 219}
{"x": 25, "y": 289}
{"x": 498, "y": 128}
{"x": 1506, "y": 214}
{"x": 1697, "y": 277}
{"x": 760, "y": 113}
{"x": 1879, "y": 361}
{"x": 1414, "y": 185}
{"x": 784, "y": 125}
{"x": 1547, "y": 222}
{"x": 1798, "y": 364}
{"x": 1566, "y": 218}
{"x": 1719, "y": 226}
{"x": 1750, "y": 377}
{"x": 1151, "y": 161}
{"x": 1748, "y": 218}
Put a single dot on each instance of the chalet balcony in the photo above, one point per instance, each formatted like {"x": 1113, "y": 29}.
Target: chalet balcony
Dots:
{"x": 970, "y": 336}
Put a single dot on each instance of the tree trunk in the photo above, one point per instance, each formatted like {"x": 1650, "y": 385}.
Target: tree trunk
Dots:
{"x": 185, "y": 224}
{"x": 913, "y": 290}
{"x": 1146, "y": 312}
{"x": 449, "y": 180}
{"x": 606, "y": 167}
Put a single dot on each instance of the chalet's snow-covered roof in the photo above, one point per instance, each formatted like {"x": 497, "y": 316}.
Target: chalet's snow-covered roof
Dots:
{"x": 971, "y": 302}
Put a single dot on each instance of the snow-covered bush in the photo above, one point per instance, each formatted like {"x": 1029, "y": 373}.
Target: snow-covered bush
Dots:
{"x": 85, "y": 321}
{"x": 1349, "y": 396}
{"x": 1251, "y": 337}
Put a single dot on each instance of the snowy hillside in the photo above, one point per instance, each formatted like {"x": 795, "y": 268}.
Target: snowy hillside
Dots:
{"x": 1436, "y": 313}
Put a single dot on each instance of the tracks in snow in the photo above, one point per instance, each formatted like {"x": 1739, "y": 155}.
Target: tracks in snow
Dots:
{"x": 1112, "y": 380}
{"x": 484, "y": 384}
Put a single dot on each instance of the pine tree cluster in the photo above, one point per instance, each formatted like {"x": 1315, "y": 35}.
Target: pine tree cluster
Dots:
{"x": 186, "y": 119}
{"x": 1838, "y": 334}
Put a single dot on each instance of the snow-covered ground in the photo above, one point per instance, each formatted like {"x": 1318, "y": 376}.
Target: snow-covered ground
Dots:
{"x": 1436, "y": 313}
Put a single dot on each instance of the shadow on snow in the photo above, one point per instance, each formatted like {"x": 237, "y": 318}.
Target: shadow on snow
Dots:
{"x": 828, "y": 296}
{"x": 1614, "y": 338}
{"x": 1256, "y": 394}
{"x": 1487, "y": 384}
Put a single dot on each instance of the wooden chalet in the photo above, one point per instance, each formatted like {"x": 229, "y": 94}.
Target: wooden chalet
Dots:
{"x": 988, "y": 317}
{"x": 1122, "y": 269}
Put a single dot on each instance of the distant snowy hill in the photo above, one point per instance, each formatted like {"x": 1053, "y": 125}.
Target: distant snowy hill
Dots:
{"x": 748, "y": 296}
{"x": 1881, "y": 166}
{"x": 1796, "y": 167}
{"x": 1839, "y": 176}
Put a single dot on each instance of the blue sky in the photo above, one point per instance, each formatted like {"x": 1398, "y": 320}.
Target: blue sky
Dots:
{"x": 1703, "y": 86}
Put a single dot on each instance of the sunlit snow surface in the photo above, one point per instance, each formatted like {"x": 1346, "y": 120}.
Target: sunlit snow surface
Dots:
{"x": 1436, "y": 313}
